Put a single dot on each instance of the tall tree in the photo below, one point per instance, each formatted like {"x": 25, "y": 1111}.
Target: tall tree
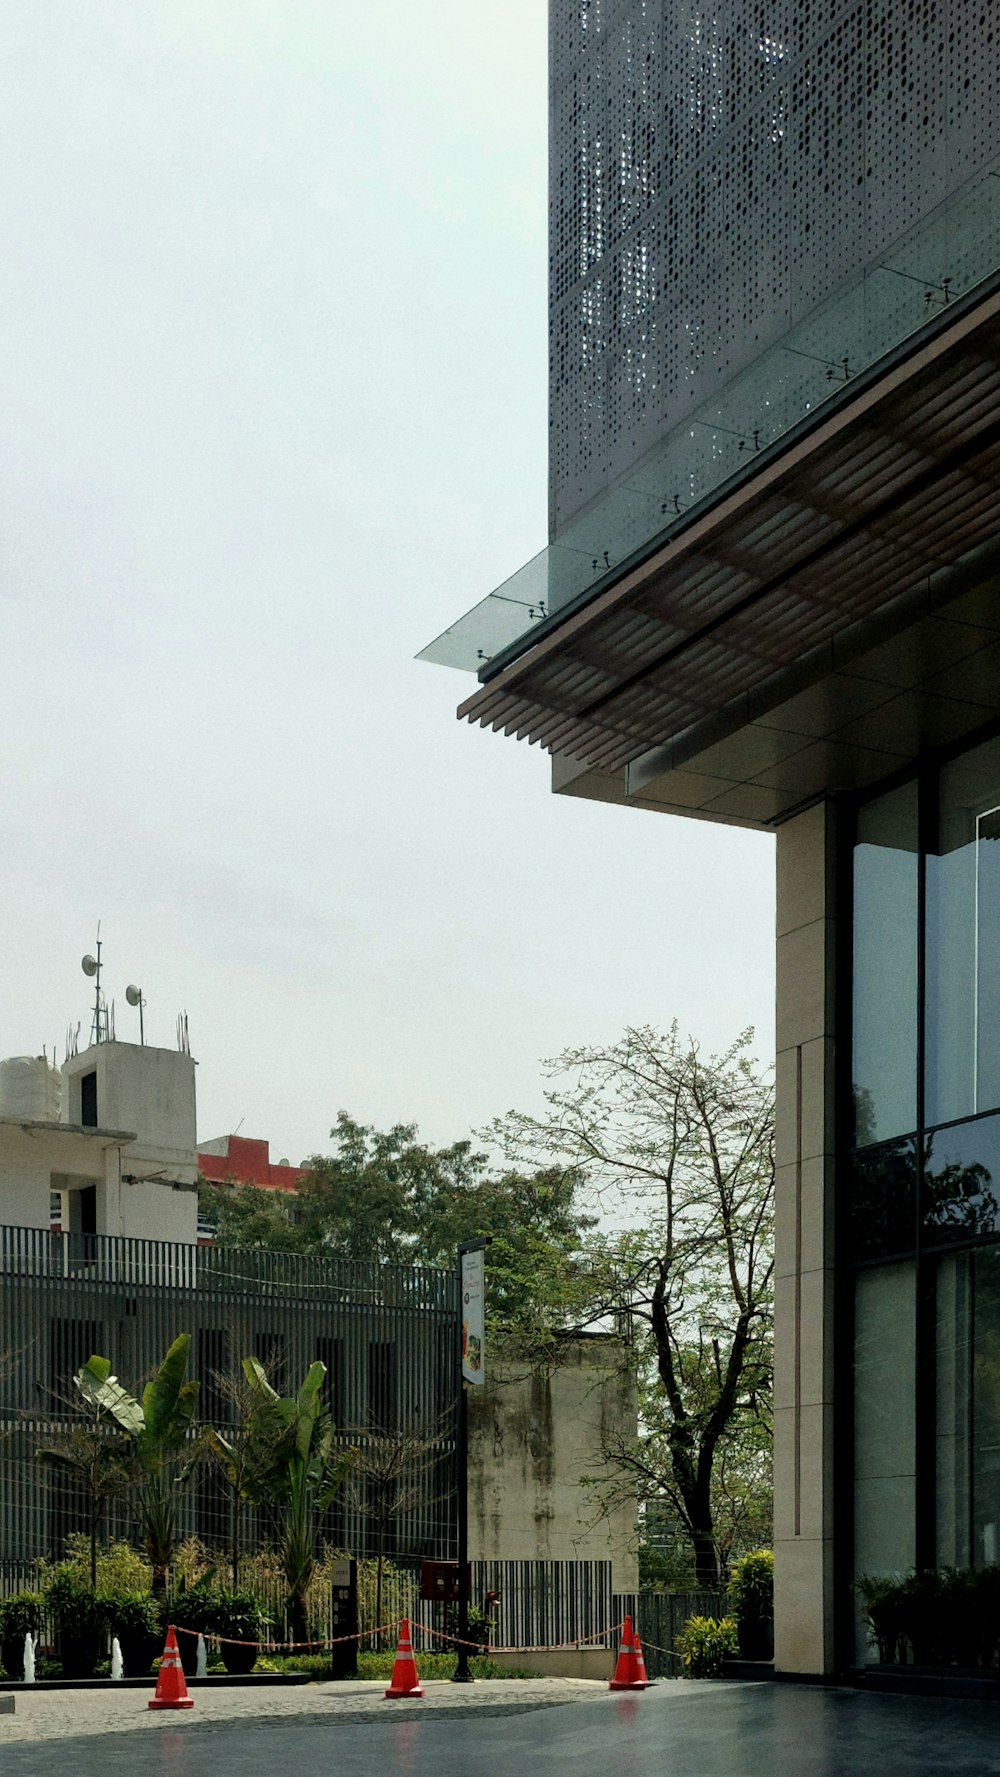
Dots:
{"x": 388, "y": 1197}
{"x": 684, "y": 1145}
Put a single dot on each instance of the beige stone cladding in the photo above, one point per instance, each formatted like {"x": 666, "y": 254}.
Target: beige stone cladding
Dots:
{"x": 803, "y": 1401}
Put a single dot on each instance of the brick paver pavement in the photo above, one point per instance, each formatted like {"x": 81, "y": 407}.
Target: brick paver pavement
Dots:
{"x": 59, "y": 1715}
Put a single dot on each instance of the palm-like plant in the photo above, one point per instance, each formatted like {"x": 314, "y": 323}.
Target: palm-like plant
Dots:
{"x": 294, "y": 1468}
{"x": 158, "y": 1428}
{"x": 92, "y": 1456}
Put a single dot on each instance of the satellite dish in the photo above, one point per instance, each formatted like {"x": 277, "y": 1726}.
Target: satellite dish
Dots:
{"x": 89, "y": 965}
{"x": 133, "y": 995}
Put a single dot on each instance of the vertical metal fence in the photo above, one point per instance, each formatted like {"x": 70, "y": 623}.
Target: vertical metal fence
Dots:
{"x": 660, "y": 1617}
{"x": 385, "y": 1333}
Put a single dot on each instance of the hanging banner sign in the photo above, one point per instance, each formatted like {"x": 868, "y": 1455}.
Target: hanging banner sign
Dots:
{"x": 473, "y": 1325}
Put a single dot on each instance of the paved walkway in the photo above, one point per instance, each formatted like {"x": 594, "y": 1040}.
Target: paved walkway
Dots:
{"x": 673, "y": 1730}
{"x": 63, "y": 1715}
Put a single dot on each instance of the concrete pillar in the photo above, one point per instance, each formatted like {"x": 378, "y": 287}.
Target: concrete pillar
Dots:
{"x": 804, "y": 1192}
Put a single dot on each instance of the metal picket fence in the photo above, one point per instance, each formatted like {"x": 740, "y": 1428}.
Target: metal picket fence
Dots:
{"x": 660, "y": 1617}
{"x": 540, "y": 1603}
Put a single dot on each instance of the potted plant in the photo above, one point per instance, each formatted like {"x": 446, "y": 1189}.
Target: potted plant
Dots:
{"x": 79, "y": 1622}
{"x": 20, "y": 1615}
{"x": 242, "y": 1623}
{"x": 194, "y": 1610}
{"x": 751, "y": 1598}
{"x": 705, "y": 1643}
{"x": 136, "y": 1620}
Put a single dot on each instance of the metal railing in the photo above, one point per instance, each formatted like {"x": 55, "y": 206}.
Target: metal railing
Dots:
{"x": 137, "y": 1264}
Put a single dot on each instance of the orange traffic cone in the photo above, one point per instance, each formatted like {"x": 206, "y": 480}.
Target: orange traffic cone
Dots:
{"x": 171, "y": 1691}
{"x": 405, "y": 1681}
{"x": 630, "y": 1667}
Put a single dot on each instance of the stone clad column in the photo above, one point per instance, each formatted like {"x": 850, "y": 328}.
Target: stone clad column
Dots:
{"x": 803, "y": 1391}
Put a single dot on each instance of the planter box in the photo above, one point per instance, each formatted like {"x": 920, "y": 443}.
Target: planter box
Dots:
{"x": 930, "y": 1681}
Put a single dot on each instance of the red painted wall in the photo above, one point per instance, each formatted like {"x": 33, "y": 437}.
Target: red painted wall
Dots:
{"x": 248, "y": 1162}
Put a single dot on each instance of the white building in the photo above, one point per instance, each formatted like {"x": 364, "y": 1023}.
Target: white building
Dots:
{"x": 107, "y": 1146}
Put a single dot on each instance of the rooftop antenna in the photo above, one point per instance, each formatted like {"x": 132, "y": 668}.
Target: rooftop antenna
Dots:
{"x": 91, "y": 966}
{"x": 134, "y": 996}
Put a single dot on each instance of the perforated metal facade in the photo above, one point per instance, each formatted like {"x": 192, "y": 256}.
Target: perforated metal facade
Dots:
{"x": 718, "y": 172}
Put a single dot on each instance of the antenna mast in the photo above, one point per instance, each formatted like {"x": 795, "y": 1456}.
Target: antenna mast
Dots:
{"x": 91, "y": 965}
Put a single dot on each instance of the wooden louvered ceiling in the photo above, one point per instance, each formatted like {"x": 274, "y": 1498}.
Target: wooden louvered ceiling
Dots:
{"x": 900, "y": 481}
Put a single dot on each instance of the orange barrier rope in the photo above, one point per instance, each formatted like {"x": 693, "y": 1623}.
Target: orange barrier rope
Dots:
{"x": 275, "y": 1646}
{"x": 418, "y": 1628}
{"x": 552, "y": 1647}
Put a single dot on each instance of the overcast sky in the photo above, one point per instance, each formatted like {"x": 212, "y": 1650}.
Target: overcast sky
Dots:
{"x": 273, "y": 359}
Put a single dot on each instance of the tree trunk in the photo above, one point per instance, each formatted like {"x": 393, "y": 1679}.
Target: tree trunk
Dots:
{"x": 706, "y": 1560}
{"x": 235, "y": 1551}
{"x": 298, "y": 1620}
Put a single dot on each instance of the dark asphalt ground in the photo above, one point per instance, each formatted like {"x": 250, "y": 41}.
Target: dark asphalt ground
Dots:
{"x": 670, "y": 1731}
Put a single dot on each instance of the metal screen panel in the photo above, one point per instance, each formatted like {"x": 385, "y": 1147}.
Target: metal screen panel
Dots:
{"x": 128, "y": 1300}
{"x": 716, "y": 173}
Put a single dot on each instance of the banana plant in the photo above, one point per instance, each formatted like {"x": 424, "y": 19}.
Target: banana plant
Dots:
{"x": 158, "y": 1427}
{"x": 92, "y": 1456}
{"x": 293, "y": 1467}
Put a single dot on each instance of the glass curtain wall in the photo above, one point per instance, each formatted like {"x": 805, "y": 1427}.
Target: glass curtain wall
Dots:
{"x": 925, "y": 1170}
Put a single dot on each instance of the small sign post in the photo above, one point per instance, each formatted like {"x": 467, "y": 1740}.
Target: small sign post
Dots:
{"x": 471, "y": 1374}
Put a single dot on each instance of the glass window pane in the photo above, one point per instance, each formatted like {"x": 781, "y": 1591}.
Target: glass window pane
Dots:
{"x": 884, "y": 1200}
{"x": 968, "y": 1409}
{"x": 963, "y": 941}
{"x": 953, "y": 1404}
{"x": 961, "y": 1183}
{"x": 885, "y": 967}
{"x": 986, "y": 1409}
{"x": 884, "y": 1423}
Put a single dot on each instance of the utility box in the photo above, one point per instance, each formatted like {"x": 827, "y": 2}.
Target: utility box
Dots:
{"x": 439, "y": 1581}
{"x": 344, "y": 1619}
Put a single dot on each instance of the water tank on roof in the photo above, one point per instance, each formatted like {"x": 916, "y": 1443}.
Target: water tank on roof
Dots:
{"x": 29, "y": 1087}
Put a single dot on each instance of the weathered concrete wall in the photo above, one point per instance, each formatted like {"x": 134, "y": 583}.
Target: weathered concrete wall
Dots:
{"x": 533, "y": 1436}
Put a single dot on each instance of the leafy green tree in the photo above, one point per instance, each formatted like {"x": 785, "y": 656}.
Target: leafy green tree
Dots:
{"x": 158, "y": 1427}
{"x": 389, "y": 1198}
{"x": 293, "y": 1467}
{"x": 685, "y": 1145}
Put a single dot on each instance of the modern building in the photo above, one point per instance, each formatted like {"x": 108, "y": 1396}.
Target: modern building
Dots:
{"x": 771, "y": 597}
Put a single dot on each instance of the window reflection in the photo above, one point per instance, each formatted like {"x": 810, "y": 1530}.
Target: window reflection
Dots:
{"x": 961, "y": 1184}
{"x": 968, "y": 1408}
{"x": 962, "y": 1030}
{"x": 884, "y": 1200}
{"x": 885, "y": 967}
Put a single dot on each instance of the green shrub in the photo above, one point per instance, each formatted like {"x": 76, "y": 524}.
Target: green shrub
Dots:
{"x": 195, "y": 1607}
{"x": 120, "y": 1567}
{"x": 21, "y": 1615}
{"x": 79, "y": 1621}
{"x": 751, "y": 1598}
{"x": 881, "y": 1596}
{"x": 751, "y": 1587}
{"x": 704, "y": 1643}
{"x": 136, "y": 1619}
